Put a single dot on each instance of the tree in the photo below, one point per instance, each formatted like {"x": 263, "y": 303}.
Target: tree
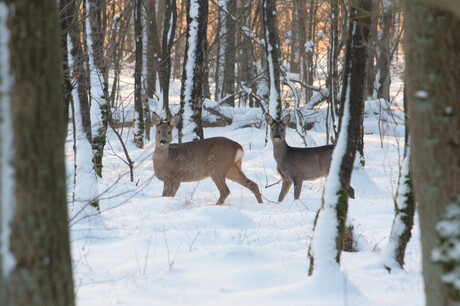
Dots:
{"x": 138, "y": 121}
{"x": 190, "y": 127}
{"x": 98, "y": 80}
{"x": 226, "y": 37}
{"x": 335, "y": 200}
{"x": 169, "y": 32}
{"x": 35, "y": 194}
{"x": 432, "y": 41}
{"x": 270, "y": 25}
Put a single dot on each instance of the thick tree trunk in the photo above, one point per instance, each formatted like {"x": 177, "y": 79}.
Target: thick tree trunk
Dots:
{"x": 39, "y": 238}
{"x": 432, "y": 41}
{"x": 191, "y": 126}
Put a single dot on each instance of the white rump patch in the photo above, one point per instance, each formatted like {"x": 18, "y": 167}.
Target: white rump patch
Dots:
{"x": 239, "y": 155}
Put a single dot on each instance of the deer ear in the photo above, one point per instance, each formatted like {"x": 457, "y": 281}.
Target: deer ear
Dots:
{"x": 174, "y": 120}
{"x": 269, "y": 119}
{"x": 286, "y": 119}
{"x": 156, "y": 119}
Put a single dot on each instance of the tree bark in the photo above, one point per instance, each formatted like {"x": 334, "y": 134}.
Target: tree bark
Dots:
{"x": 191, "y": 126}
{"x": 169, "y": 31}
{"x": 273, "y": 56}
{"x": 138, "y": 96}
{"x": 39, "y": 238}
{"x": 338, "y": 189}
{"x": 432, "y": 41}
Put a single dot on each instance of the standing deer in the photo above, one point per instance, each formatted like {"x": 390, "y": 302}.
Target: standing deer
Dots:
{"x": 296, "y": 165}
{"x": 217, "y": 157}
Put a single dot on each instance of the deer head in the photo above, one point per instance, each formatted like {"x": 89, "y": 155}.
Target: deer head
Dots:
{"x": 277, "y": 127}
{"x": 163, "y": 134}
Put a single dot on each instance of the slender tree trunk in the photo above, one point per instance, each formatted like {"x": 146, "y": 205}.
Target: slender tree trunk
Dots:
{"x": 138, "y": 96}
{"x": 432, "y": 41}
{"x": 169, "y": 31}
{"x": 270, "y": 24}
{"x": 335, "y": 201}
{"x": 38, "y": 238}
{"x": 382, "y": 81}
{"x": 98, "y": 81}
{"x": 228, "y": 84}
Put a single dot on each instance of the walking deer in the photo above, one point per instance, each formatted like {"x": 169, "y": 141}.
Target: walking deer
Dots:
{"x": 217, "y": 157}
{"x": 296, "y": 165}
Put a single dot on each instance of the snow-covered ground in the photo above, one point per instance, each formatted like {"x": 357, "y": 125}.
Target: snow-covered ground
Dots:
{"x": 143, "y": 249}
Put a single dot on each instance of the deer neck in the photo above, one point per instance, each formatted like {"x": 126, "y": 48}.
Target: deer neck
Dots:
{"x": 280, "y": 149}
{"x": 161, "y": 153}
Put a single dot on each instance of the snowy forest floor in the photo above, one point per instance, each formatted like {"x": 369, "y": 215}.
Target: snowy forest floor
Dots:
{"x": 143, "y": 249}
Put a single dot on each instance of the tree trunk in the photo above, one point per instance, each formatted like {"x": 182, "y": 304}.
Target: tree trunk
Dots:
{"x": 169, "y": 31}
{"x": 382, "y": 79}
{"x": 39, "y": 234}
{"x": 98, "y": 82}
{"x": 190, "y": 127}
{"x": 432, "y": 41}
{"x": 228, "y": 84}
{"x": 335, "y": 200}
{"x": 138, "y": 96}
{"x": 273, "y": 59}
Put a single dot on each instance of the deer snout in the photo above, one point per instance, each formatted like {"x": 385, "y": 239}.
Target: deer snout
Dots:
{"x": 163, "y": 142}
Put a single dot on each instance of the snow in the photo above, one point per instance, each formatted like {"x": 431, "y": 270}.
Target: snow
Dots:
{"x": 143, "y": 249}
{"x": 7, "y": 181}
{"x": 421, "y": 94}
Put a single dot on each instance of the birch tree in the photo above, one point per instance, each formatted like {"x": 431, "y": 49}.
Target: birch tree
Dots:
{"x": 35, "y": 248}
{"x": 98, "y": 80}
{"x": 327, "y": 242}
{"x": 190, "y": 127}
{"x": 432, "y": 41}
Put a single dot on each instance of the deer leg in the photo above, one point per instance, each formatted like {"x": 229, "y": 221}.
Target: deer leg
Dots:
{"x": 170, "y": 188}
{"x": 297, "y": 188}
{"x": 219, "y": 180}
{"x": 287, "y": 183}
{"x": 235, "y": 174}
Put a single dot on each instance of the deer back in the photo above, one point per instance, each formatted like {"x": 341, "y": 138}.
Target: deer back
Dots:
{"x": 193, "y": 161}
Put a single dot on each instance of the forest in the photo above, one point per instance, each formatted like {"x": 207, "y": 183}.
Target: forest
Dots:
{"x": 258, "y": 152}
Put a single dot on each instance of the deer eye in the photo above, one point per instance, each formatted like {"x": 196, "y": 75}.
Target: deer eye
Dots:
{"x": 158, "y": 132}
{"x": 169, "y": 132}
{"x": 282, "y": 130}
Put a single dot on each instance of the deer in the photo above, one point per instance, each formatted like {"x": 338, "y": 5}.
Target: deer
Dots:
{"x": 216, "y": 157}
{"x": 294, "y": 164}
